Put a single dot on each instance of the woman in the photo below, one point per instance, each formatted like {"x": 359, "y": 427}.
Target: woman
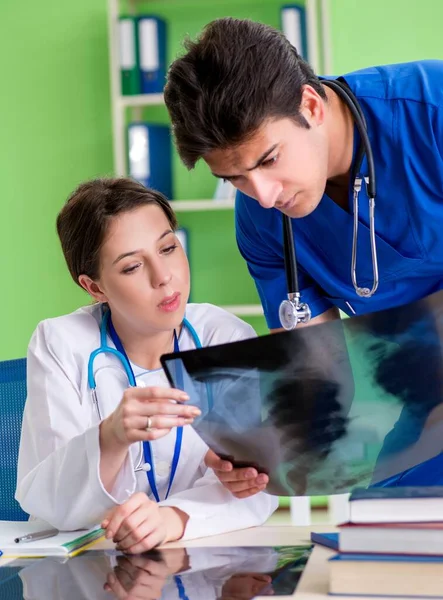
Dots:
{"x": 94, "y": 448}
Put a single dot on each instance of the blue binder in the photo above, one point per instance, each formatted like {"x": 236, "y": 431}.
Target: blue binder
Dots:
{"x": 149, "y": 156}
{"x": 151, "y": 54}
{"x": 293, "y": 25}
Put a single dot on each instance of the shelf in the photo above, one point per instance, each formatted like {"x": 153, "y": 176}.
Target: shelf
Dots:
{"x": 245, "y": 310}
{"x": 201, "y": 205}
{"x": 141, "y": 100}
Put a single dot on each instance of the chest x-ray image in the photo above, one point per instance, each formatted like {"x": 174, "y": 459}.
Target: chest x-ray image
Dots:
{"x": 327, "y": 408}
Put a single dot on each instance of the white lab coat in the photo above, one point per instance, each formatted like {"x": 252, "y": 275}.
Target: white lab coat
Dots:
{"x": 58, "y": 468}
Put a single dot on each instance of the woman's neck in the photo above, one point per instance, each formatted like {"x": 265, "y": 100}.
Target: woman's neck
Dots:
{"x": 143, "y": 349}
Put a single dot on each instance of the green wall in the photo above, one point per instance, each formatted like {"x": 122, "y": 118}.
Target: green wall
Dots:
{"x": 383, "y": 32}
{"x": 55, "y": 132}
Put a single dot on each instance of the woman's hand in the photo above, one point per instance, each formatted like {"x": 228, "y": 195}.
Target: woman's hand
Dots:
{"x": 140, "y": 524}
{"x": 241, "y": 482}
{"x": 146, "y": 414}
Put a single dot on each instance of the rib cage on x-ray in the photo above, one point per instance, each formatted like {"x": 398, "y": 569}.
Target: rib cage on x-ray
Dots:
{"x": 327, "y": 408}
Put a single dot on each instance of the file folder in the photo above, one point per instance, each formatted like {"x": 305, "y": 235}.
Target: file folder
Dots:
{"x": 152, "y": 54}
{"x": 293, "y": 24}
{"x": 149, "y": 156}
{"x": 128, "y": 55}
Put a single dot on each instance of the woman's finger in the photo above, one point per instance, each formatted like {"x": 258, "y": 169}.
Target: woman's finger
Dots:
{"x": 122, "y": 512}
{"x": 153, "y": 392}
{"x": 137, "y": 535}
{"x": 148, "y": 409}
{"x": 155, "y": 422}
{"x": 250, "y": 492}
{"x": 130, "y": 524}
{"x": 151, "y": 541}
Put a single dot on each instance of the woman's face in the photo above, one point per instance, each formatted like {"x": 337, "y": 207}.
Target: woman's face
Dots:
{"x": 144, "y": 271}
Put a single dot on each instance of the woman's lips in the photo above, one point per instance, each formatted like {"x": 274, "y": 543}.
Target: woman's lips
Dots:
{"x": 170, "y": 303}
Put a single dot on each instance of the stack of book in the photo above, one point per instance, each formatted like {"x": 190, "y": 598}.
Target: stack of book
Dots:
{"x": 392, "y": 544}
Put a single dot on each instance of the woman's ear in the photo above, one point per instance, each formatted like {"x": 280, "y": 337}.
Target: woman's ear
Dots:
{"x": 93, "y": 288}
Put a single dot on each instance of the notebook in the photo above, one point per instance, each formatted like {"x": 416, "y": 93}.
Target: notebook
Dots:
{"x": 66, "y": 543}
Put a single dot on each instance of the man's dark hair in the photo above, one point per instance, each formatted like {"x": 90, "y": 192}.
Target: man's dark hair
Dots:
{"x": 234, "y": 77}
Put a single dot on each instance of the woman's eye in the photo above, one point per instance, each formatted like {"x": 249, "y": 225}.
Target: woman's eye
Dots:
{"x": 129, "y": 270}
{"x": 169, "y": 249}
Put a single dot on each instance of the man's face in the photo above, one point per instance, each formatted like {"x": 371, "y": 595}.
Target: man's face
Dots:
{"x": 283, "y": 165}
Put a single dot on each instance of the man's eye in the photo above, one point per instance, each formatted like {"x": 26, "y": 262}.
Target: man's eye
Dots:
{"x": 169, "y": 249}
{"x": 270, "y": 161}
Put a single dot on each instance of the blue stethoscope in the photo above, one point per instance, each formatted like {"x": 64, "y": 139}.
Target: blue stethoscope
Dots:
{"x": 119, "y": 351}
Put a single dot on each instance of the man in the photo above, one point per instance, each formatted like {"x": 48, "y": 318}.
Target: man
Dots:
{"x": 243, "y": 100}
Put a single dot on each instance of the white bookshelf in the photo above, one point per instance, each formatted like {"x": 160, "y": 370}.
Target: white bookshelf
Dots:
{"x": 245, "y": 310}
{"x": 201, "y": 205}
{"x": 140, "y": 100}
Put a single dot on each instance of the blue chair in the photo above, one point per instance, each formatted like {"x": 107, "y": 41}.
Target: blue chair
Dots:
{"x": 12, "y": 402}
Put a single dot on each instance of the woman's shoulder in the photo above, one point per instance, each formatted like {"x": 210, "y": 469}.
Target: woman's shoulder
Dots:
{"x": 79, "y": 328}
{"x": 214, "y": 325}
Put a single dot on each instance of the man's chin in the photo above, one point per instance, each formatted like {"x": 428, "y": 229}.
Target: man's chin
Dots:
{"x": 298, "y": 211}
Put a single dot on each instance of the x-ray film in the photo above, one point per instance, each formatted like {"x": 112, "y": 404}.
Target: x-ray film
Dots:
{"x": 330, "y": 407}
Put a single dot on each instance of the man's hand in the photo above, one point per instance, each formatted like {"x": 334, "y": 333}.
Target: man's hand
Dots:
{"x": 242, "y": 483}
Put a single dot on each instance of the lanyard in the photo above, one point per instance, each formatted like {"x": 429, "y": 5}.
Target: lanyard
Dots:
{"x": 180, "y": 587}
{"x": 146, "y": 445}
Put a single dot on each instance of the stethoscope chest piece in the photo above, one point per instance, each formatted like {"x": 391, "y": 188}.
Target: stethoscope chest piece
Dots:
{"x": 292, "y": 312}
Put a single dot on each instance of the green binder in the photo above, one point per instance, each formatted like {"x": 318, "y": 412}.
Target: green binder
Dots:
{"x": 129, "y": 67}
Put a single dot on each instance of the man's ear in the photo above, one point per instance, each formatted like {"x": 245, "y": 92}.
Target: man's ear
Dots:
{"x": 312, "y": 106}
{"x": 93, "y": 288}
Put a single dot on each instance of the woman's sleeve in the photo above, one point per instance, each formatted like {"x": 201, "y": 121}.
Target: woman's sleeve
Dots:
{"x": 212, "y": 509}
{"x": 58, "y": 468}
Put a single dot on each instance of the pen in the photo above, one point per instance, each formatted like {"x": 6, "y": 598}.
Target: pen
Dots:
{"x": 38, "y": 535}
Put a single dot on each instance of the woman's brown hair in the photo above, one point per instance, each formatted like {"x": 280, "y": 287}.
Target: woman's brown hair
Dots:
{"x": 83, "y": 222}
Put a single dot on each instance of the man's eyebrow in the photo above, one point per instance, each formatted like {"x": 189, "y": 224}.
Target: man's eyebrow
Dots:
{"x": 132, "y": 252}
{"x": 262, "y": 158}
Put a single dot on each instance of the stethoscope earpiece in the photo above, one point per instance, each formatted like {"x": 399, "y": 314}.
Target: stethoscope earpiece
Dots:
{"x": 144, "y": 467}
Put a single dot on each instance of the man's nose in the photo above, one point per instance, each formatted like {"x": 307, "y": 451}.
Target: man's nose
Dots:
{"x": 265, "y": 190}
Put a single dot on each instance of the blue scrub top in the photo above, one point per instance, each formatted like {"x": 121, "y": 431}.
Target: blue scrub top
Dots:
{"x": 403, "y": 107}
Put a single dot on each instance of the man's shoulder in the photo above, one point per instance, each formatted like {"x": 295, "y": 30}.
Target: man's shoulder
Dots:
{"x": 418, "y": 81}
